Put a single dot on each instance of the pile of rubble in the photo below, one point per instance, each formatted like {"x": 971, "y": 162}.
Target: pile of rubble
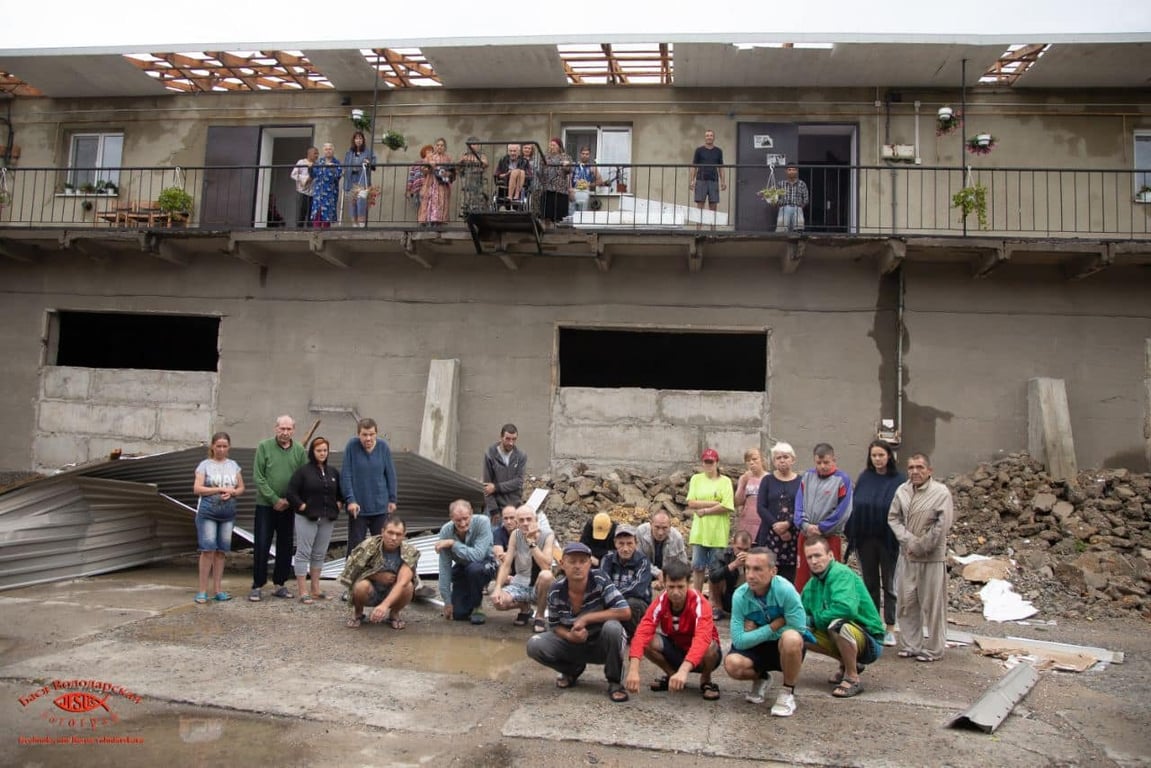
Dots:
{"x": 1079, "y": 548}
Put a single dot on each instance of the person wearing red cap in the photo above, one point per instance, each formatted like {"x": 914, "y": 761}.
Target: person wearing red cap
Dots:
{"x": 556, "y": 181}
{"x": 712, "y": 500}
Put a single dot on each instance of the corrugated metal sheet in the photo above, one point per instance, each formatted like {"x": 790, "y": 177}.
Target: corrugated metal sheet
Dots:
{"x": 69, "y": 526}
{"x": 117, "y": 514}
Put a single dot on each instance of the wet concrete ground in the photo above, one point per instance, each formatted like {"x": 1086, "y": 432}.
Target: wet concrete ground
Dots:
{"x": 285, "y": 684}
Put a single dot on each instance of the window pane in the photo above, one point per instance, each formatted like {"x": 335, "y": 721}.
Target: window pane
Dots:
{"x": 616, "y": 151}
{"x": 85, "y": 151}
{"x": 1142, "y": 160}
{"x": 110, "y": 157}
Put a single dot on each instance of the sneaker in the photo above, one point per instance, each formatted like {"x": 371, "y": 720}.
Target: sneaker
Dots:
{"x": 478, "y": 617}
{"x": 281, "y": 592}
{"x": 784, "y": 705}
{"x": 758, "y": 692}
{"x": 889, "y": 639}
{"x": 256, "y": 595}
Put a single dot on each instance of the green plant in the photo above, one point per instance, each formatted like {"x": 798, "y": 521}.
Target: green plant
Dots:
{"x": 771, "y": 195}
{"x": 361, "y": 121}
{"x": 972, "y": 199}
{"x": 87, "y": 187}
{"x": 174, "y": 200}
{"x": 107, "y": 187}
{"x": 394, "y": 140}
{"x": 5, "y": 197}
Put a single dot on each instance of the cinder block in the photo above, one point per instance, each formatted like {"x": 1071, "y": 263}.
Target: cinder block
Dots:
{"x": 626, "y": 443}
{"x": 153, "y": 387}
{"x": 606, "y": 406}
{"x": 65, "y": 382}
{"x": 191, "y": 425}
{"x": 731, "y": 444}
{"x": 55, "y": 451}
{"x": 734, "y": 408}
{"x": 84, "y": 419}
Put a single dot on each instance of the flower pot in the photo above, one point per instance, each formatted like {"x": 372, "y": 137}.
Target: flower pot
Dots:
{"x": 357, "y": 114}
{"x": 1143, "y": 197}
{"x": 621, "y": 188}
{"x": 946, "y": 113}
{"x": 582, "y": 196}
{"x": 983, "y": 139}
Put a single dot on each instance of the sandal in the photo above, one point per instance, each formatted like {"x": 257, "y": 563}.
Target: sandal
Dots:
{"x": 539, "y": 626}
{"x": 566, "y": 681}
{"x": 925, "y": 658}
{"x": 617, "y": 693}
{"x": 222, "y": 597}
{"x": 306, "y": 599}
{"x": 709, "y": 691}
{"x": 837, "y": 678}
{"x": 660, "y": 684}
{"x": 354, "y": 622}
{"x": 397, "y": 623}
{"x": 905, "y": 654}
{"x": 848, "y": 688}
{"x": 201, "y": 597}
{"x": 522, "y": 619}
{"x": 320, "y": 596}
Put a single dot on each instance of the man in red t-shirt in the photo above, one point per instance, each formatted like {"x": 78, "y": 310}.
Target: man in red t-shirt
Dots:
{"x": 678, "y": 635}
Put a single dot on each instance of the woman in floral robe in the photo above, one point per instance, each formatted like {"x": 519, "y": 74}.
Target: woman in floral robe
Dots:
{"x": 436, "y": 195}
{"x": 326, "y": 174}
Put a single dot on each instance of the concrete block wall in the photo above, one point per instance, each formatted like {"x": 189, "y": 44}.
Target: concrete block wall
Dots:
{"x": 83, "y": 414}
{"x": 653, "y": 429}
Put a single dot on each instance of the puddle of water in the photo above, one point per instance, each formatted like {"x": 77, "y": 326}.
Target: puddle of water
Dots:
{"x": 479, "y": 657}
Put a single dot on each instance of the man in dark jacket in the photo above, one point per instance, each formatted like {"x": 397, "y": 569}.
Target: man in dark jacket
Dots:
{"x": 503, "y": 474}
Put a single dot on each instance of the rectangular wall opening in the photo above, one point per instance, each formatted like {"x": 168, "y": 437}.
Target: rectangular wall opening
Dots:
{"x": 663, "y": 359}
{"x": 128, "y": 340}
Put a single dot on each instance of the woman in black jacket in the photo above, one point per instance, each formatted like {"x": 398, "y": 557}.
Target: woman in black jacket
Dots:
{"x": 868, "y": 533}
{"x": 314, "y": 492}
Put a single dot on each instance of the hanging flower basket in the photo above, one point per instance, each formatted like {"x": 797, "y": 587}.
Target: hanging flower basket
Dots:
{"x": 771, "y": 195}
{"x": 981, "y": 144}
{"x": 361, "y": 121}
{"x": 972, "y": 199}
{"x": 394, "y": 140}
{"x": 947, "y": 121}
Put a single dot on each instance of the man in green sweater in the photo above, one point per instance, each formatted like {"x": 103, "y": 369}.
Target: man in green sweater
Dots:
{"x": 842, "y": 616}
{"x": 277, "y": 459}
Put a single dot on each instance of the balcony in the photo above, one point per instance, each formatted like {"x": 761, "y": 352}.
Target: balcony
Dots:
{"x": 1088, "y": 218}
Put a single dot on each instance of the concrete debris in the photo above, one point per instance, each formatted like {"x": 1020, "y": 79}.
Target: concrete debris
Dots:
{"x": 983, "y": 571}
{"x": 1082, "y": 548}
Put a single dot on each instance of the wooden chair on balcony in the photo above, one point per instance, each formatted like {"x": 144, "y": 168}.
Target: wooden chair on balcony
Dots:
{"x": 117, "y": 214}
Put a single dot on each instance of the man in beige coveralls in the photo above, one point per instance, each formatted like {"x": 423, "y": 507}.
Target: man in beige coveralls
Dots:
{"x": 921, "y": 515}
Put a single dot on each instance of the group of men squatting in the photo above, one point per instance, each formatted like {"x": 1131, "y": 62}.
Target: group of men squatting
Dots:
{"x": 621, "y": 594}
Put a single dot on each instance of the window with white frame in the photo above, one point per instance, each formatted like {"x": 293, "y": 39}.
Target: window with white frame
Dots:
{"x": 1142, "y": 160}
{"x": 95, "y": 157}
{"x": 610, "y": 148}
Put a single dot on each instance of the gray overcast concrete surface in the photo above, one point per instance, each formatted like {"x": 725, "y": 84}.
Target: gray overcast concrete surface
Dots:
{"x": 286, "y": 684}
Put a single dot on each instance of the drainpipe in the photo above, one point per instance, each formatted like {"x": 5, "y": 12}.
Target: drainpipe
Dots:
{"x": 894, "y": 173}
{"x": 962, "y": 141}
{"x": 899, "y": 355}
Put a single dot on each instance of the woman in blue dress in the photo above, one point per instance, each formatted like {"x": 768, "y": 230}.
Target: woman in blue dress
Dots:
{"x": 359, "y": 162}
{"x": 326, "y": 174}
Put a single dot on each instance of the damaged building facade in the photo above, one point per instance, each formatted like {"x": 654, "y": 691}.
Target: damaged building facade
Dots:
{"x": 637, "y": 335}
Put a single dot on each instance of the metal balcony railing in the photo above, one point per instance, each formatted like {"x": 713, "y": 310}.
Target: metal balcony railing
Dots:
{"x": 850, "y": 200}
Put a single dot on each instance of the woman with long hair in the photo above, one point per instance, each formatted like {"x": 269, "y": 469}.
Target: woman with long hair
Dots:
{"x": 314, "y": 492}
{"x": 359, "y": 162}
{"x": 776, "y": 505}
{"x": 868, "y": 534}
{"x": 747, "y": 493}
{"x": 218, "y": 483}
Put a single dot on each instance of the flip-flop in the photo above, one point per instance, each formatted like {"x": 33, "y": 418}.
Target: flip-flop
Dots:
{"x": 306, "y": 599}
{"x": 848, "y": 688}
{"x": 521, "y": 619}
{"x": 925, "y": 658}
{"x": 617, "y": 693}
{"x": 907, "y": 654}
{"x": 566, "y": 681}
{"x": 320, "y": 596}
{"x": 201, "y": 597}
{"x": 222, "y": 597}
{"x": 539, "y": 626}
{"x": 354, "y": 622}
{"x": 397, "y": 624}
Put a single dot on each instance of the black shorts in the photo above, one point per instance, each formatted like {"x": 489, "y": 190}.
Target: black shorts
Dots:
{"x": 764, "y": 657}
{"x": 674, "y": 656}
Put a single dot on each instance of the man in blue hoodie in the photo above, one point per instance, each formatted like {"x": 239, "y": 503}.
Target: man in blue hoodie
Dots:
{"x": 368, "y": 482}
{"x": 822, "y": 508}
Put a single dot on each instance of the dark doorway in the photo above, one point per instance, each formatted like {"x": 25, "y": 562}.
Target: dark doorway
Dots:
{"x": 759, "y": 145}
{"x": 663, "y": 359}
{"x": 825, "y": 158}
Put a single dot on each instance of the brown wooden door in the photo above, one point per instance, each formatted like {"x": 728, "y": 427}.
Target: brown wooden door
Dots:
{"x": 229, "y": 195}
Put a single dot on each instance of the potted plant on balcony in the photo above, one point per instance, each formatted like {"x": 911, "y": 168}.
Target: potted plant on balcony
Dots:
{"x": 69, "y": 188}
{"x": 87, "y": 188}
{"x": 361, "y": 121}
{"x": 947, "y": 121}
{"x": 107, "y": 188}
{"x": 394, "y": 140}
{"x": 972, "y": 199}
{"x": 174, "y": 200}
{"x": 771, "y": 194}
{"x": 1144, "y": 194}
{"x": 981, "y": 144}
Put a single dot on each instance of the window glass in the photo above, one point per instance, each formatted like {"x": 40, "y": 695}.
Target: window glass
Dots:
{"x": 95, "y": 157}
{"x": 1142, "y": 159}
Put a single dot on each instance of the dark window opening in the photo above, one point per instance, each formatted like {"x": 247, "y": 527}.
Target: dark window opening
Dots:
{"x": 123, "y": 340}
{"x": 663, "y": 360}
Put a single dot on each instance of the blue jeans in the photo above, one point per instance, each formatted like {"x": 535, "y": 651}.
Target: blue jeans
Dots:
{"x": 214, "y": 535}
{"x": 468, "y": 582}
{"x": 789, "y": 218}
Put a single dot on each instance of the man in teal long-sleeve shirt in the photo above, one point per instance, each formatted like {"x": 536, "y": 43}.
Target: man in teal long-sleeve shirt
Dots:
{"x": 466, "y": 562}
{"x": 768, "y": 631}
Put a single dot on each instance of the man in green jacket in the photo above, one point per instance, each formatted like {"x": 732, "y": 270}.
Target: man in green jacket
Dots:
{"x": 277, "y": 459}
{"x": 842, "y": 616}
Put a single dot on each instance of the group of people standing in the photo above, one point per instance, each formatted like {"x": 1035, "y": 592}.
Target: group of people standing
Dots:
{"x": 621, "y": 592}
{"x": 318, "y": 178}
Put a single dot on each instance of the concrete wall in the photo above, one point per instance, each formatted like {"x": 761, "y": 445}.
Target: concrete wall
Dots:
{"x": 85, "y": 413}
{"x": 653, "y": 429}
